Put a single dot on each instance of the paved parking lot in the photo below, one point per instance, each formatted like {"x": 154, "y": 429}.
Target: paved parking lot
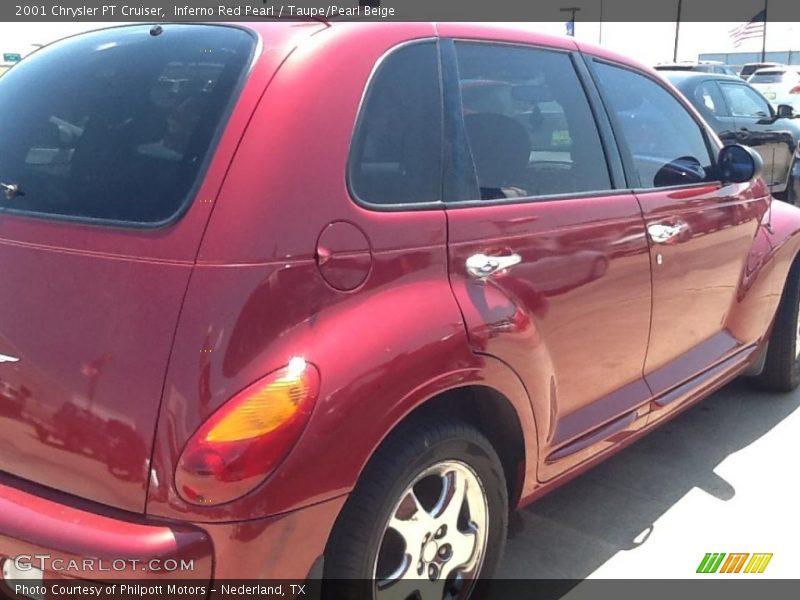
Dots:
{"x": 722, "y": 477}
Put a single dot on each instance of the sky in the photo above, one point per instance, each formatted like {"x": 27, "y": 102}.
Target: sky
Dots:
{"x": 650, "y": 43}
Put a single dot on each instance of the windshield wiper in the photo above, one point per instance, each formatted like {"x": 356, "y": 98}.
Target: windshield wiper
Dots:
{"x": 11, "y": 190}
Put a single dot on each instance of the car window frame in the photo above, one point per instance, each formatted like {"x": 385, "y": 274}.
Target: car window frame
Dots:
{"x": 714, "y": 83}
{"x": 632, "y": 174}
{"x": 202, "y": 172}
{"x": 361, "y": 115}
{"x": 451, "y": 88}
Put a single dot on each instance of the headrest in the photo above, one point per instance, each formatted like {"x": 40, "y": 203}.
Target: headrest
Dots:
{"x": 500, "y": 148}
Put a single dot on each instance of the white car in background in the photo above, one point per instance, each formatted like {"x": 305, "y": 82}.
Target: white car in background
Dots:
{"x": 779, "y": 85}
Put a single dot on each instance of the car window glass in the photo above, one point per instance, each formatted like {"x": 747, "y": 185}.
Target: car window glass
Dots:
{"x": 529, "y": 126}
{"x": 116, "y": 125}
{"x": 667, "y": 145}
{"x": 767, "y": 77}
{"x": 396, "y": 153}
{"x": 709, "y": 99}
{"x": 744, "y": 101}
{"x": 747, "y": 70}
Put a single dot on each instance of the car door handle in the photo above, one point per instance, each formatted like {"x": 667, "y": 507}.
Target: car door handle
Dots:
{"x": 481, "y": 266}
{"x": 661, "y": 233}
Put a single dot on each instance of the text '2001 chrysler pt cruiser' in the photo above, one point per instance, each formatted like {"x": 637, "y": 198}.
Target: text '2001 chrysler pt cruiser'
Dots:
{"x": 290, "y": 297}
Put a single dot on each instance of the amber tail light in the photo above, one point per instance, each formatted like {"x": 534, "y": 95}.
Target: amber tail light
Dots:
{"x": 248, "y": 437}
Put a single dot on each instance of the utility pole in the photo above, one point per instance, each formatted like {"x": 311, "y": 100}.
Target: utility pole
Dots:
{"x": 600, "y": 41}
{"x": 764, "y": 39}
{"x": 677, "y": 32}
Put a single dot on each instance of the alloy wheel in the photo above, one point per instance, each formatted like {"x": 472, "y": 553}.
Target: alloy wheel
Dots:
{"x": 434, "y": 542}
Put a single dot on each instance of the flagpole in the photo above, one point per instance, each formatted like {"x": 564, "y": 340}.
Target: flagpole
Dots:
{"x": 677, "y": 33}
{"x": 764, "y": 39}
{"x": 600, "y": 41}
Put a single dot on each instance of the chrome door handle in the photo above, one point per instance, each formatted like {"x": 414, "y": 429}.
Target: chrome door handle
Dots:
{"x": 481, "y": 266}
{"x": 664, "y": 234}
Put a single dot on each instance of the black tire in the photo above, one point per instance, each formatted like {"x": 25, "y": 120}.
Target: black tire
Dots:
{"x": 416, "y": 446}
{"x": 782, "y": 368}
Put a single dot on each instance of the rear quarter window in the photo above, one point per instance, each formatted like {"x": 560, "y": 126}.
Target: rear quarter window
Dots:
{"x": 396, "y": 155}
{"x": 117, "y": 125}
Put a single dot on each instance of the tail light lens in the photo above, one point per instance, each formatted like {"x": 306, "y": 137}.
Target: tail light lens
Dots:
{"x": 795, "y": 90}
{"x": 248, "y": 437}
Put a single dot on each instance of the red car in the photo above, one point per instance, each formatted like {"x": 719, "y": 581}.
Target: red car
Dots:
{"x": 283, "y": 306}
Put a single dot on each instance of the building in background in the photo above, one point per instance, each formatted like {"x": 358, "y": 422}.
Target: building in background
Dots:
{"x": 737, "y": 59}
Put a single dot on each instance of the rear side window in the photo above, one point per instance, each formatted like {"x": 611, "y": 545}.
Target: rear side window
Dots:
{"x": 530, "y": 129}
{"x": 117, "y": 125}
{"x": 396, "y": 156}
{"x": 667, "y": 145}
{"x": 745, "y": 101}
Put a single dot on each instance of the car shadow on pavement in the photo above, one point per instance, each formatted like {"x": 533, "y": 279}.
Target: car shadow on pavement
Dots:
{"x": 575, "y": 529}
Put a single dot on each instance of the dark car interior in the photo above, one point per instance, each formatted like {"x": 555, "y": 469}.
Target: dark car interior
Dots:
{"x": 119, "y": 133}
{"x": 530, "y": 133}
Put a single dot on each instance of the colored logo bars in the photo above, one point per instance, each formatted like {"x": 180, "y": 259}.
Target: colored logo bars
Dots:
{"x": 718, "y": 563}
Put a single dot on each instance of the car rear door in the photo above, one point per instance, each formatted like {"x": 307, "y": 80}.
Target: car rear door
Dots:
{"x": 109, "y": 141}
{"x": 700, "y": 231}
{"x": 548, "y": 262}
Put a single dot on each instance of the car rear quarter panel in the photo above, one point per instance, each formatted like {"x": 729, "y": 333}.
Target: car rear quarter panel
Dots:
{"x": 256, "y": 297}
{"x": 93, "y": 326}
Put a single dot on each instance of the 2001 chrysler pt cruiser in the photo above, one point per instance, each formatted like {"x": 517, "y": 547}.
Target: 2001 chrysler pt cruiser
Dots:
{"x": 287, "y": 298}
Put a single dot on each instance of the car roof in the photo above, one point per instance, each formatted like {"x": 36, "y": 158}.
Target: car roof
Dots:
{"x": 280, "y": 36}
{"x": 681, "y": 77}
{"x": 691, "y": 63}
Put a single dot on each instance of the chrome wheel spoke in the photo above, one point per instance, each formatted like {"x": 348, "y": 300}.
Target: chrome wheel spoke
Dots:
{"x": 410, "y": 519}
{"x": 448, "y": 507}
{"x": 465, "y": 551}
{"x": 399, "y": 585}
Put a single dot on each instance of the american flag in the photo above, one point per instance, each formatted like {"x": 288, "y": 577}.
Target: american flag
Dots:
{"x": 754, "y": 28}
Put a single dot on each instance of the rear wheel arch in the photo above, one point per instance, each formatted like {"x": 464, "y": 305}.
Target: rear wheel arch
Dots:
{"x": 492, "y": 414}
{"x": 473, "y": 407}
{"x": 402, "y": 503}
{"x": 779, "y": 370}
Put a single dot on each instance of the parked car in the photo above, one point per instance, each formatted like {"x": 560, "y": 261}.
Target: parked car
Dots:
{"x": 322, "y": 341}
{"x": 703, "y": 66}
{"x": 778, "y": 85}
{"x": 750, "y": 68}
{"x": 739, "y": 114}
